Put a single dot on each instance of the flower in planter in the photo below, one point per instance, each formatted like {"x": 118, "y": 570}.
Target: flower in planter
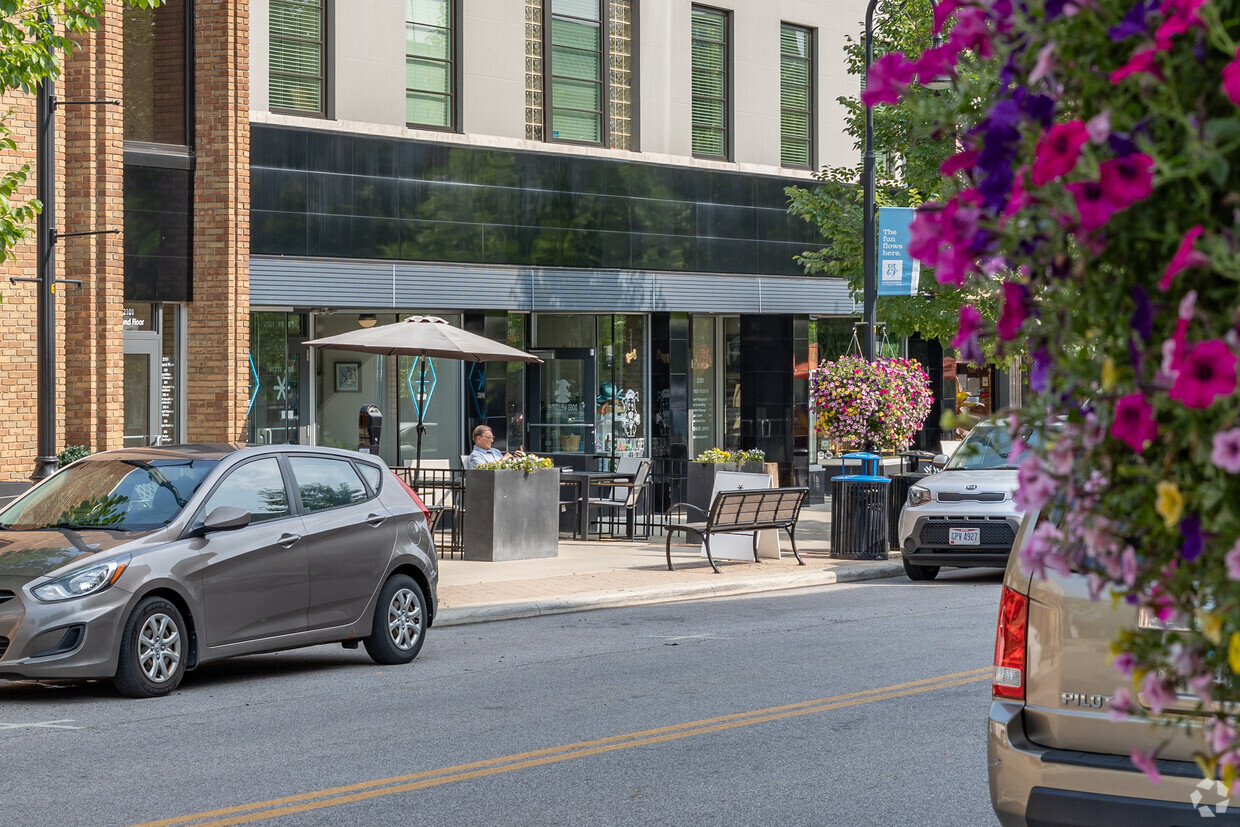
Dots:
{"x": 882, "y": 402}
{"x": 752, "y": 455}
{"x": 529, "y": 463}
{"x": 715, "y": 455}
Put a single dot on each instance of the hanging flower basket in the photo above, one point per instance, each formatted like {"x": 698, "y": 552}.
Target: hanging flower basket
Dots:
{"x": 881, "y": 403}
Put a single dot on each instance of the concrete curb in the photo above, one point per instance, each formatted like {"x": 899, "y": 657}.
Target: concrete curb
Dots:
{"x": 620, "y": 598}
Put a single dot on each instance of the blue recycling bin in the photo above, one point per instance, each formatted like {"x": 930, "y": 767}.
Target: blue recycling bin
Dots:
{"x": 859, "y": 512}
{"x": 869, "y": 463}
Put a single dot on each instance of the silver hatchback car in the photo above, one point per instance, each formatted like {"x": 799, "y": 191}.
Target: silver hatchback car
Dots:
{"x": 140, "y": 564}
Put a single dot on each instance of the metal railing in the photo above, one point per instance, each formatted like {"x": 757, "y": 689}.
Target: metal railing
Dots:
{"x": 443, "y": 488}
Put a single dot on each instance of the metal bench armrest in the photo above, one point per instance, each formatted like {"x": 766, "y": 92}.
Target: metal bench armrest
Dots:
{"x": 687, "y": 507}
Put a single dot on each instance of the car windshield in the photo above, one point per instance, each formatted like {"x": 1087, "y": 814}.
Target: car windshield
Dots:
{"x": 989, "y": 447}
{"x": 116, "y": 494}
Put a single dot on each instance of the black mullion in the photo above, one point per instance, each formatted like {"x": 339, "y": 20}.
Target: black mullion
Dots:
{"x": 549, "y": 75}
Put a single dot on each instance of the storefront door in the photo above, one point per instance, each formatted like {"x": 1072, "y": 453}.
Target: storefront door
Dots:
{"x": 560, "y": 405}
{"x": 142, "y": 408}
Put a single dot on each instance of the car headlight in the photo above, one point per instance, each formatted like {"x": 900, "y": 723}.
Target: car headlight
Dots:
{"x": 919, "y": 496}
{"x": 88, "y": 580}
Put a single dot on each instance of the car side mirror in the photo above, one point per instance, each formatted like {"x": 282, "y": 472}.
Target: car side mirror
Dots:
{"x": 939, "y": 461}
{"x": 224, "y": 518}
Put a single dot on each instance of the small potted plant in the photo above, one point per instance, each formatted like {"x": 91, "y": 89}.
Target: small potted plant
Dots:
{"x": 702, "y": 471}
{"x": 512, "y": 508}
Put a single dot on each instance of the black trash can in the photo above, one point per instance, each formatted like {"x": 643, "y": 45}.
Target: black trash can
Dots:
{"x": 900, "y": 484}
{"x": 859, "y": 517}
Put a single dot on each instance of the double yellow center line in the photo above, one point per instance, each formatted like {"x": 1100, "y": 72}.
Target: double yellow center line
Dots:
{"x": 337, "y": 796}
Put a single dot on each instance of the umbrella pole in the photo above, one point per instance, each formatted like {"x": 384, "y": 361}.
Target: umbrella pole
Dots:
{"x": 417, "y": 464}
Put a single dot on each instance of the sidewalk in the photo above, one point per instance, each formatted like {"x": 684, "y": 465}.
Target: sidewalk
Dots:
{"x": 603, "y": 574}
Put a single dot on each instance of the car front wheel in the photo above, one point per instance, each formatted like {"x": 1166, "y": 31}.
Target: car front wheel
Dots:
{"x": 153, "y": 650}
{"x": 400, "y": 622}
{"x": 916, "y": 572}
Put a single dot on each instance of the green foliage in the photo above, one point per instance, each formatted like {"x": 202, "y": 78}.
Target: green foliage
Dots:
{"x": 911, "y": 140}
{"x": 94, "y": 512}
{"x": 72, "y": 453}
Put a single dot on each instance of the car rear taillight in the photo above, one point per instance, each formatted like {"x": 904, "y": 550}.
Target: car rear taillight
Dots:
{"x": 1010, "y": 640}
{"x": 426, "y": 512}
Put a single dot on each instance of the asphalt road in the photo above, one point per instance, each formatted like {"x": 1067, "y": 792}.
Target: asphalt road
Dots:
{"x": 850, "y": 705}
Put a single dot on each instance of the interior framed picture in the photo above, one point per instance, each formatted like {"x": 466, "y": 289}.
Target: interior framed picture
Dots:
{"x": 347, "y": 378}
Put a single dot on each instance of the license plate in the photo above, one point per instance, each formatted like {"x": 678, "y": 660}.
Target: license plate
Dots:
{"x": 964, "y": 536}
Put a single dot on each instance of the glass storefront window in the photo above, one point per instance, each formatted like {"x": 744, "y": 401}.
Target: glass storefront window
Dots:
{"x": 277, "y": 360}
{"x": 703, "y": 391}
{"x": 731, "y": 384}
{"x": 348, "y": 380}
{"x": 620, "y": 420}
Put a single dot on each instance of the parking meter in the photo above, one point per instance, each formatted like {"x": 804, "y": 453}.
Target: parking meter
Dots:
{"x": 369, "y": 424}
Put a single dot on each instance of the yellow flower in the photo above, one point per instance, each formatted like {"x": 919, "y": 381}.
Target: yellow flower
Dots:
{"x": 1170, "y": 503}
{"x": 1233, "y": 653}
{"x": 1211, "y": 626}
{"x": 1108, "y": 374}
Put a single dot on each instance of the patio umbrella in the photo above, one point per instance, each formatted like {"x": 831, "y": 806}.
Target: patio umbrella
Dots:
{"x": 424, "y": 336}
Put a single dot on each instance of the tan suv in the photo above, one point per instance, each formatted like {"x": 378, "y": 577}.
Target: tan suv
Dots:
{"x": 1055, "y": 756}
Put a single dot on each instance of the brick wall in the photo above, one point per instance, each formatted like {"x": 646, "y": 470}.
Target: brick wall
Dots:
{"x": 218, "y": 326}
{"x": 93, "y": 161}
{"x": 18, "y": 367}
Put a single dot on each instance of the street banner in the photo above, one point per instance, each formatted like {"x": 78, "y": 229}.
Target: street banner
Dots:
{"x": 898, "y": 271}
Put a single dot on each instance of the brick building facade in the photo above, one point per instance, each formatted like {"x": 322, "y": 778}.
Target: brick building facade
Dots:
{"x": 185, "y": 288}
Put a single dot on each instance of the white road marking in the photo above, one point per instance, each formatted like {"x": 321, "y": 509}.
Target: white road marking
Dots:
{"x": 63, "y": 723}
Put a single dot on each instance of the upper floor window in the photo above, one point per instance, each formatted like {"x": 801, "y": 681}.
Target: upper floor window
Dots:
{"x": 579, "y": 71}
{"x": 298, "y": 56}
{"x": 156, "y": 91}
{"x": 796, "y": 110}
{"x": 711, "y": 84}
{"x": 430, "y": 63}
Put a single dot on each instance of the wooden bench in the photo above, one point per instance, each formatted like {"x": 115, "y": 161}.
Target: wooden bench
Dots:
{"x": 735, "y": 512}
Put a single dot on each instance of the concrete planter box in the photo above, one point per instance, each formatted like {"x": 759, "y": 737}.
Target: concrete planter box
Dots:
{"x": 511, "y": 515}
{"x": 701, "y": 480}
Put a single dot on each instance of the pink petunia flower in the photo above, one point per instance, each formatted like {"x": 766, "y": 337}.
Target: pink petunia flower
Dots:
{"x": 937, "y": 62}
{"x": 1181, "y": 16}
{"x": 1207, "y": 373}
{"x": 1147, "y": 762}
{"x": 1125, "y": 663}
{"x": 1226, "y": 453}
{"x": 1231, "y": 79}
{"x": 1121, "y": 704}
{"x": 1035, "y": 487}
{"x": 889, "y": 76}
{"x": 1042, "y": 552}
{"x": 1099, "y": 127}
{"x": 1127, "y": 180}
{"x": 1045, "y": 63}
{"x": 1134, "y": 422}
{"x": 1015, "y": 309}
{"x": 1184, "y": 258}
{"x": 1140, "y": 63}
{"x": 1058, "y": 151}
{"x": 1158, "y": 691}
{"x": 1128, "y": 564}
{"x": 970, "y": 323}
{"x": 964, "y": 160}
{"x": 1232, "y": 559}
{"x": 1092, "y": 204}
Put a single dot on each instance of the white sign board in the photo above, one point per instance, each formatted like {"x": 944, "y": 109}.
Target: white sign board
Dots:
{"x": 740, "y": 546}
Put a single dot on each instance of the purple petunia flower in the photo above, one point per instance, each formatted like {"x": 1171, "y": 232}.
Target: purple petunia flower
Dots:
{"x": 1040, "y": 373}
{"x": 1190, "y": 530}
{"x": 1142, "y": 320}
{"x": 1135, "y": 22}
{"x": 1226, "y": 451}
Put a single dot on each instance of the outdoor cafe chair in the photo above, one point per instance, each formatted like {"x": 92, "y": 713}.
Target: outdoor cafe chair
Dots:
{"x": 623, "y": 495}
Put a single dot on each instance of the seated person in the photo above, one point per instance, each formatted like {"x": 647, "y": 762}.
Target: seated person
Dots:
{"x": 483, "y": 452}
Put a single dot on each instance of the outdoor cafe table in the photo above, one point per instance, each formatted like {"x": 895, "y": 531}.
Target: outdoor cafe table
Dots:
{"x": 585, "y": 479}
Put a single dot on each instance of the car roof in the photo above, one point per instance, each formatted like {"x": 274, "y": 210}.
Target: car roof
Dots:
{"x": 215, "y": 451}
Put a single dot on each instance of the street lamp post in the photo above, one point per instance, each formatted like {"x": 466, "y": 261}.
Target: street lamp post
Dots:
{"x": 869, "y": 278}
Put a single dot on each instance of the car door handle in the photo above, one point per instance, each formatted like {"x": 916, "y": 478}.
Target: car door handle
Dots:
{"x": 287, "y": 540}
{"x": 375, "y": 520}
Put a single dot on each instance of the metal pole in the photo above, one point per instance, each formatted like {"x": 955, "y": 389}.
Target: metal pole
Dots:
{"x": 869, "y": 278}
{"x": 45, "y": 463}
{"x": 420, "y": 399}
{"x": 869, "y": 285}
